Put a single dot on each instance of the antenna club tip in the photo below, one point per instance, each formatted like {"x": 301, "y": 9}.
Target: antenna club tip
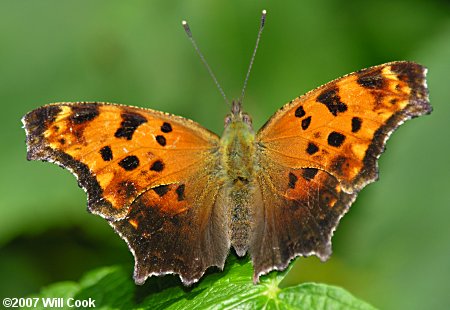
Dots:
{"x": 263, "y": 18}
{"x": 186, "y": 28}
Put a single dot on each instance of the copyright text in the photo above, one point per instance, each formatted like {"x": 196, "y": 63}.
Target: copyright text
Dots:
{"x": 46, "y": 302}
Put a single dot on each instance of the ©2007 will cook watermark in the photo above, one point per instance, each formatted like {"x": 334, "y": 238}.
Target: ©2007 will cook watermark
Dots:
{"x": 46, "y": 302}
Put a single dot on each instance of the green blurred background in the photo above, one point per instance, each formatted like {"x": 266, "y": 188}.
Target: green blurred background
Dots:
{"x": 392, "y": 249}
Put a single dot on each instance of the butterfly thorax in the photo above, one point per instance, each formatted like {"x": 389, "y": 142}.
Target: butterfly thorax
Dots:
{"x": 238, "y": 162}
{"x": 238, "y": 147}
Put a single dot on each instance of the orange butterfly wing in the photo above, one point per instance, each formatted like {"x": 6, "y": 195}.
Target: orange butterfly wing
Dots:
{"x": 319, "y": 150}
{"x": 152, "y": 175}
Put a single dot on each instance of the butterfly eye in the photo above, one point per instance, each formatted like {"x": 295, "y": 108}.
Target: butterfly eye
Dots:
{"x": 247, "y": 119}
{"x": 227, "y": 120}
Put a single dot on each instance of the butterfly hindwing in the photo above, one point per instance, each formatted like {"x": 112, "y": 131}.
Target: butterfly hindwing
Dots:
{"x": 178, "y": 228}
{"x": 299, "y": 211}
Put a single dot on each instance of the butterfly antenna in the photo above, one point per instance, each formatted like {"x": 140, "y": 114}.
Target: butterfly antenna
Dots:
{"x": 189, "y": 34}
{"x": 261, "y": 27}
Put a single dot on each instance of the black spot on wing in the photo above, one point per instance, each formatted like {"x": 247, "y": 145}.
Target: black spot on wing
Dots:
{"x": 106, "y": 153}
{"x": 161, "y": 190}
{"x": 129, "y": 163}
{"x": 130, "y": 122}
{"x": 161, "y": 140}
{"x": 331, "y": 99}
{"x": 371, "y": 79}
{"x": 356, "y": 124}
{"x": 336, "y": 139}
{"x": 83, "y": 113}
{"x": 157, "y": 166}
{"x": 166, "y": 127}
{"x": 180, "y": 192}
{"x": 306, "y": 122}
{"x": 292, "y": 180}
{"x": 309, "y": 173}
{"x": 300, "y": 112}
{"x": 312, "y": 148}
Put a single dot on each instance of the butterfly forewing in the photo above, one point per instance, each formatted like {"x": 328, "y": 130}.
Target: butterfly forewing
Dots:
{"x": 117, "y": 152}
{"x": 342, "y": 127}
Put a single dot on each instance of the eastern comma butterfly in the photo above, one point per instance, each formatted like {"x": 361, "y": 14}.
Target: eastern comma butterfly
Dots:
{"x": 181, "y": 196}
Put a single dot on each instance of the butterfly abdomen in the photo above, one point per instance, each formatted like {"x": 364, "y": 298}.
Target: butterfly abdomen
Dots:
{"x": 238, "y": 150}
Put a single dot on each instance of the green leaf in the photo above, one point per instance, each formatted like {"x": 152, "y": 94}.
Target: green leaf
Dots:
{"x": 113, "y": 288}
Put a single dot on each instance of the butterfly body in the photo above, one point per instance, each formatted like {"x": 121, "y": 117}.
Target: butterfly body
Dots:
{"x": 239, "y": 162}
{"x": 180, "y": 196}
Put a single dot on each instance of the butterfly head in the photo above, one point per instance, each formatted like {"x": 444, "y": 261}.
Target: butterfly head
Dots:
{"x": 238, "y": 116}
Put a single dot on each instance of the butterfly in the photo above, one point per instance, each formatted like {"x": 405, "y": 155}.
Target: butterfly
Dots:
{"x": 181, "y": 196}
